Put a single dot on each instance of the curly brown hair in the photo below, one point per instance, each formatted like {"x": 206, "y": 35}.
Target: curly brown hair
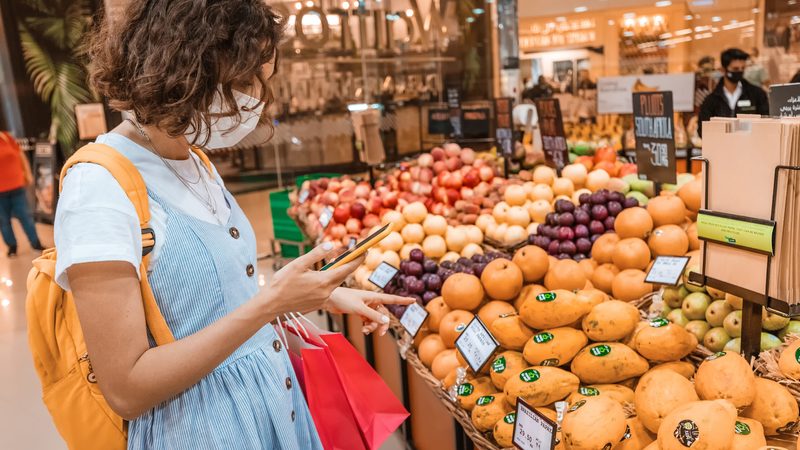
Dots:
{"x": 164, "y": 59}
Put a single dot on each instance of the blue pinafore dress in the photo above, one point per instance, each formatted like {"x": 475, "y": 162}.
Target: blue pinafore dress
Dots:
{"x": 252, "y": 400}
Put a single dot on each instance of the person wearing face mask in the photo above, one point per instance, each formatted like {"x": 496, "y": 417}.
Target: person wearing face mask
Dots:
{"x": 733, "y": 94}
{"x": 190, "y": 73}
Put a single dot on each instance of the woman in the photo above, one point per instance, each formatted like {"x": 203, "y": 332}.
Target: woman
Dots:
{"x": 189, "y": 71}
{"x": 15, "y": 175}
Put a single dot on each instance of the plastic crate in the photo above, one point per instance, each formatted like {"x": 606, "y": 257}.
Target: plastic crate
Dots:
{"x": 284, "y": 227}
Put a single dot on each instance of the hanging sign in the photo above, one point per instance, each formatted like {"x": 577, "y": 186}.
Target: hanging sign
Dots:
{"x": 654, "y": 129}
{"x": 554, "y": 140}
{"x": 476, "y": 344}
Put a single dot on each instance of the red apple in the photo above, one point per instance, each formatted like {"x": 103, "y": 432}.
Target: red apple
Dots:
{"x": 334, "y": 185}
{"x": 374, "y": 205}
{"x": 467, "y": 193}
{"x": 454, "y": 181}
{"x": 347, "y": 195}
{"x": 363, "y": 190}
{"x": 467, "y": 156}
{"x": 425, "y": 175}
{"x": 486, "y": 173}
{"x": 348, "y": 183}
{"x": 323, "y": 183}
{"x": 452, "y": 196}
{"x": 358, "y": 210}
{"x": 341, "y": 213}
{"x": 370, "y": 220}
{"x": 330, "y": 198}
{"x": 438, "y": 153}
{"x": 405, "y": 176}
{"x": 425, "y": 160}
{"x": 471, "y": 178}
{"x": 439, "y": 167}
{"x": 390, "y": 200}
{"x": 453, "y": 163}
{"x": 452, "y": 149}
{"x": 414, "y": 171}
{"x": 353, "y": 225}
{"x": 337, "y": 231}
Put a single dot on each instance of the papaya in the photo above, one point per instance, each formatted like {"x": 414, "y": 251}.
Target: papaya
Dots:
{"x": 505, "y": 365}
{"x": 748, "y": 434}
{"x": 726, "y": 375}
{"x": 511, "y": 333}
{"x": 551, "y": 309}
{"x": 608, "y": 363}
{"x": 773, "y": 406}
{"x": 594, "y": 423}
{"x": 663, "y": 341}
{"x": 636, "y": 436}
{"x": 683, "y": 368}
{"x": 554, "y": 347}
{"x": 503, "y": 431}
{"x": 789, "y": 361}
{"x": 540, "y": 385}
{"x": 610, "y": 321}
{"x": 660, "y": 392}
{"x": 470, "y": 391}
{"x": 700, "y": 425}
{"x": 653, "y": 446}
{"x": 591, "y": 297}
{"x": 616, "y": 392}
{"x": 488, "y": 410}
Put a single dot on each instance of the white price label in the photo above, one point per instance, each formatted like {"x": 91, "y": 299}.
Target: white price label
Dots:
{"x": 476, "y": 344}
{"x": 667, "y": 270}
{"x": 383, "y": 274}
{"x": 325, "y": 217}
{"x": 532, "y": 430}
{"x": 303, "y": 196}
{"x": 413, "y": 319}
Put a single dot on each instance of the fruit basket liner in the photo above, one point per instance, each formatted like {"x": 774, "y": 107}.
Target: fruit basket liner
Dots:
{"x": 492, "y": 245}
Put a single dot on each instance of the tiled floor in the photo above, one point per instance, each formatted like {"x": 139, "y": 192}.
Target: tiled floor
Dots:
{"x": 24, "y": 421}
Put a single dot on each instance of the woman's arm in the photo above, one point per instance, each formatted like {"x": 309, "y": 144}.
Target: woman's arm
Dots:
{"x": 134, "y": 377}
{"x": 26, "y": 167}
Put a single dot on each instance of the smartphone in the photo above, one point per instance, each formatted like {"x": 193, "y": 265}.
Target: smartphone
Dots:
{"x": 360, "y": 248}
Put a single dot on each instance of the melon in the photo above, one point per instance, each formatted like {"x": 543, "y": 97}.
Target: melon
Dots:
{"x": 610, "y": 321}
{"x": 593, "y": 424}
{"x": 668, "y": 240}
{"x": 502, "y": 279}
{"x": 633, "y": 223}
{"x": 629, "y": 285}
{"x": 540, "y": 386}
{"x": 452, "y": 324}
{"x": 488, "y": 410}
{"x": 636, "y": 436}
{"x": 551, "y": 309}
{"x": 658, "y": 393}
{"x": 493, "y": 310}
{"x": 701, "y": 425}
{"x": 603, "y": 276}
{"x": 565, "y": 274}
{"x": 554, "y": 347}
{"x": 443, "y": 363}
{"x": 631, "y": 253}
{"x": 608, "y": 363}
{"x": 533, "y": 262}
{"x": 773, "y": 406}
{"x": 666, "y": 209}
{"x": 690, "y": 194}
{"x": 463, "y": 291}
{"x": 506, "y": 365}
{"x": 511, "y": 333}
{"x": 616, "y": 392}
{"x": 789, "y": 361}
{"x": 603, "y": 248}
{"x": 727, "y": 376}
{"x": 437, "y": 309}
{"x": 468, "y": 392}
{"x": 429, "y": 349}
{"x": 663, "y": 341}
{"x": 748, "y": 434}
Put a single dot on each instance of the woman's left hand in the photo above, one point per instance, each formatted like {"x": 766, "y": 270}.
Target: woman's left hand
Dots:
{"x": 364, "y": 303}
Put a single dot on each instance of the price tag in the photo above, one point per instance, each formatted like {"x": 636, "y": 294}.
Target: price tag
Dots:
{"x": 303, "y": 196}
{"x": 383, "y": 274}
{"x": 551, "y": 124}
{"x": 413, "y": 319}
{"x": 655, "y": 136}
{"x": 352, "y": 243}
{"x": 325, "y": 217}
{"x": 532, "y": 430}
{"x": 667, "y": 270}
{"x": 476, "y": 344}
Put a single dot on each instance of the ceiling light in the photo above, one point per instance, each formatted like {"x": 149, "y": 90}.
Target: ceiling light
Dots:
{"x": 611, "y": 22}
{"x": 561, "y": 19}
{"x": 5, "y": 302}
{"x": 716, "y": 19}
{"x": 688, "y": 17}
{"x": 345, "y": 5}
{"x": 663, "y": 3}
{"x": 409, "y": 13}
{"x": 702, "y": 2}
{"x": 478, "y": 11}
{"x": 683, "y": 32}
{"x": 629, "y": 15}
{"x": 310, "y": 4}
{"x": 470, "y": 19}
{"x": 298, "y": 5}
{"x": 756, "y": 11}
{"x": 581, "y": 9}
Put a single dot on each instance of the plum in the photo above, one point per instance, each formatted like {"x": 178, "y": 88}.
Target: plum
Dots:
{"x": 566, "y": 234}
{"x": 552, "y": 248}
{"x": 417, "y": 255}
{"x": 567, "y": 247}
{"x": 581, "y": 231}
{"x": 583, "y": 245}
{"x": 614, "y": 208}
{"x": 584, "y": 198}
{"x": 609, "y": 222}
{"x": 564, "y": 206}
{"x": 414, "y": 268}
{"x": 582, "y": 217}
{"x": 428, "y": 296}
{"x": 434, "y": 283}
{"x": 599, "y": 212}
{"x": 430, "y": 266}
{"x": 596, "y": 227}
{"x": 566, "y": 219}
{"x": 630, "y": 202}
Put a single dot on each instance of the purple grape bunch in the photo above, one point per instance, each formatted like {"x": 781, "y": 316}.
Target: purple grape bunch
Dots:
{"x": 570, "y": 231}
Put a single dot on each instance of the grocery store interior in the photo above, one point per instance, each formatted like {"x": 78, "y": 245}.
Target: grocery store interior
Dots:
{"x": 592, "y": 205}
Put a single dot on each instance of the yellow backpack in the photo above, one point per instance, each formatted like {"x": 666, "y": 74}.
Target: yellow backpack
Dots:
{"x": 69, "y": 387}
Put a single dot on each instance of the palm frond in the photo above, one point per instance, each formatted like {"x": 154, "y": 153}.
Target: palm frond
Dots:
{"x": 39, "y": 63}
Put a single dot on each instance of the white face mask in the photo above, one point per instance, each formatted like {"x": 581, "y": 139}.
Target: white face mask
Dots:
{"x": 225, "y": 131}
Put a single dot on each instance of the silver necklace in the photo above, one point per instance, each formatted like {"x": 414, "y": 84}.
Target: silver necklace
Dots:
{"x": 208, "y": 201}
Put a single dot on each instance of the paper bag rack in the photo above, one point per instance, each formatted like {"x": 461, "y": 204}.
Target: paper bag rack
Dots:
{"x": 753, "y": 302}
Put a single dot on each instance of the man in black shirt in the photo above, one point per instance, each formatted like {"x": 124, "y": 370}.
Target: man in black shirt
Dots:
{"x": 733, "y": 94}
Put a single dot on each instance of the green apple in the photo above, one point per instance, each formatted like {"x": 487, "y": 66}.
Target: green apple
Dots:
{"x": 773, "y": 322}
{"x": 693, "y": 287}
{"x": 677, "y": 317}
{"x": 646, "y": 187}
{"x": 669, "y": 187}
{"x": 734, "y": 346}
{"x": 630, "y": 178}
{"x": 717, "y": 311}
{"x": 792, "y": 328}
{"x": 698, "y": 328}
{"x": 769, "y": 341}
{"x": 572, "y": 157}
{"x": 734, "y": 301}
{"x": 733, "y": 324}
{"x": 695, "y": 305}
{"x": 643, "y": 199}
{"x": 672, "y": 296}
{"x": 715, "y": 339}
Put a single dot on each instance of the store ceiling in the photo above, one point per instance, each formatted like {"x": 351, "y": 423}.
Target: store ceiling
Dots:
{"x": 539, "y": 8}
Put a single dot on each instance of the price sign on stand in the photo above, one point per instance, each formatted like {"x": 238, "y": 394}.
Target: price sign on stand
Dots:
{"x": 454, "y": 103}
{"x": 532, "y": 430}
{"x": 383, "y": 274}
{"x": 784, "y": 100}
{"x": 476, "y": 344}
{"x": 325, "y": 217}
{"x": 551, "y": 124}
{"x": 667, "y": 270}
{"x": 654, "y": 129}
{"x": 504, "y": 129}
{"x": 413, "y": 319}
{"x": 439, "y": 121}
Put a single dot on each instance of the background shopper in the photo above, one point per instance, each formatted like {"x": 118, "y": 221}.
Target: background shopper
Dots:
{"x": 15, "y": 176}
{"x": 733, "y": 94}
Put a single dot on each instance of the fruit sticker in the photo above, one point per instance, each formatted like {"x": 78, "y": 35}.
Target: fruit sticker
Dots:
{"x": 552, "y": 362}
{"x": 600, "y": 350}
{"x": 797, "y": 355}
{"x": 742, "y": 428}
{"x": 577, "y": 405}
{"x": 627, "y": 434}
{"x": 510, "y": 418}
{"x": 658, "y": 323}
{"x": 543, "y": 337}
{"x": 687, "y": 433}
{"x": 715, "y": 356}
{"x": 485, "y": 400}
{"x": 461, "y": 327}
{"x": 465, "y": 389}
{"x": 499, "y": 365}
{"x": 607, "y": 446}
{"x": 546, "y": 297}
{"x": 529, "y": 375}
{"x": 588, "y": 391}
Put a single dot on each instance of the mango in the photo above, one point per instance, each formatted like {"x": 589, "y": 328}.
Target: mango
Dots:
{"x": 636, "y": 436}
{"x": 683, "y": 368}
{"x": 789, "y": 361}
{"x": 551, "y": 309}
{"x": 469, "y": 392}
{"x": 748, "y": 434}
{"x": 510, "y": 332}
{"x": 616, "y": 392}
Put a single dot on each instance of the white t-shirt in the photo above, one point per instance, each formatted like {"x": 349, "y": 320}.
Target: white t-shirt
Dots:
{"x": 95, "y": 220}
{"x": 733, "y": 97}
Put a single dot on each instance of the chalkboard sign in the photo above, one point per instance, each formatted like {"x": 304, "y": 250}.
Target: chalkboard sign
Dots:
{"x": 784, "y": 100}
{"x": 476, "y": 122}
{"x": 551, "y": 125}
{"x": 654, "y": 129}
{"x": 454, "y": 103}
{"x": 439, "y": 121}
{"x": 503, "y": 127}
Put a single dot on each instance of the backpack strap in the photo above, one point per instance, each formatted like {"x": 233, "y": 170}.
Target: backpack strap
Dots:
{"x": 129, "y": 178}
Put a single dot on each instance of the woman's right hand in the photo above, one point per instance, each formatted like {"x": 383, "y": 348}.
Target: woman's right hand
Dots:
{"x": 299, "y": 287}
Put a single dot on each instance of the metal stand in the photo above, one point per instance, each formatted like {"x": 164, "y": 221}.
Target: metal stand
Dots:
{"x": 753, "y": 302}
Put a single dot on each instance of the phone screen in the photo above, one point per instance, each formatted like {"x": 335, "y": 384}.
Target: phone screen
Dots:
{"x": 360, "y": 247}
